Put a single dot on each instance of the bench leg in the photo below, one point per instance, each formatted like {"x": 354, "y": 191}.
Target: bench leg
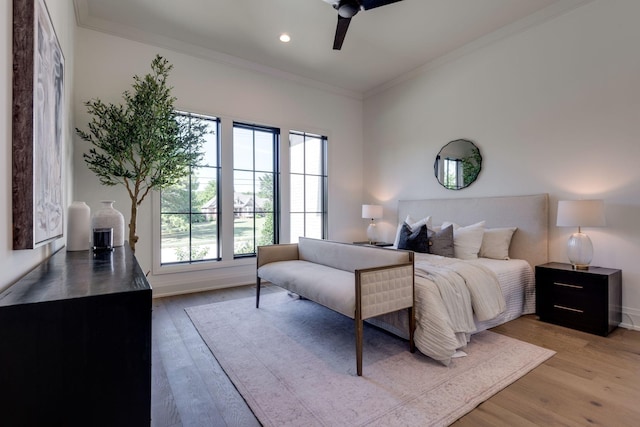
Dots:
{"x": 257, "y": 292}
{"x": 412, "y": 328}
{"x": 359, "y": 332}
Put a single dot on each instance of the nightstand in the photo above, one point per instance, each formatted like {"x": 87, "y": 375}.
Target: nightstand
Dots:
{"x": 379, "y": 244}
{"x": 587, "y": 300}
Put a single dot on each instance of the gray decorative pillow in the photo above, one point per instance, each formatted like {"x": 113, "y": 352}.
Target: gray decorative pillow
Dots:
{"x": 441, "y": 242}
{"x": 414, "y": 240}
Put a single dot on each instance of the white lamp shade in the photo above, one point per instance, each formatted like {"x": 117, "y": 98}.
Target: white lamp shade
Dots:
{"x": 371, "y": 211}
{"x": 581, "y": 213}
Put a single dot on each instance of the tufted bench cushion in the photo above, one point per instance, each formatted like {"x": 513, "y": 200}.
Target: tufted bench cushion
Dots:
{"x": 303, "y": 277}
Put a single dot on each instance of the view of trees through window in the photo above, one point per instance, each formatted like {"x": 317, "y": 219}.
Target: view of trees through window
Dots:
{"x": 189, "y": 209}
{"x": 452, "y": 176}
{"x": 254, "y": 187}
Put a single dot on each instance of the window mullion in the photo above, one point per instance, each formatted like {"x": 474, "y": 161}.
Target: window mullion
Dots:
{"x": 227, "y": 191}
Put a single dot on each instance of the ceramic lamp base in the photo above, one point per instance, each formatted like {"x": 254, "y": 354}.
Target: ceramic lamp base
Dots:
{"x": 371, "y": 232}
{"x": 580, "y": 251}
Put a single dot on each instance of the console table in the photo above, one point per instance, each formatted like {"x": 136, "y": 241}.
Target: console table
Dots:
{"x": 75, "y": 337}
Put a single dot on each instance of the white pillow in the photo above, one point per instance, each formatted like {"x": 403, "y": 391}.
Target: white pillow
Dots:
{"x": 496, "y": 242}
{"x": 413, "y": 225}
{"x": 466, "y": 240}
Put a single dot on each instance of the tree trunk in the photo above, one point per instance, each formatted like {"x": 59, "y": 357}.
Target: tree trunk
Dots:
{"x": 132, "y": 226}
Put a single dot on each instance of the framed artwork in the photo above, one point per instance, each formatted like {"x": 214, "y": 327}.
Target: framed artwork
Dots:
{"x": 38, "y": 102}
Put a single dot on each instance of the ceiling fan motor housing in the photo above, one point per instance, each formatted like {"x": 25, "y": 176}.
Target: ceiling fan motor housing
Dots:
{"x": 348, "y": 8}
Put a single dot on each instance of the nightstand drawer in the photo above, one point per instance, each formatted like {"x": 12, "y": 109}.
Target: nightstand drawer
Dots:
{"x": 579, "y": 302}
{"x": 583, "y": 297}
{"x": 573, "y": 307}
{"x": 578, "y": 282}
{"x": 581, "y": 315}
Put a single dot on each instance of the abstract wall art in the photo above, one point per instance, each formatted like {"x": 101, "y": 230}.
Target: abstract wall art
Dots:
{"x": 38, "y": 123}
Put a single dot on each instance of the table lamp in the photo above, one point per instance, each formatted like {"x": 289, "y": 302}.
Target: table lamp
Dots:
{"x": 373, "y": 212}
{"x": 580, "y": 213}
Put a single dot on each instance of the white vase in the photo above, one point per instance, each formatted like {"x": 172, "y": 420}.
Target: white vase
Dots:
{"x": 108, "y": 217}
{"x": 78, "y": 227}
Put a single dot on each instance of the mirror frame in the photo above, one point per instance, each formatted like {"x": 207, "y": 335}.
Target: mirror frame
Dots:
{"x": 473, "y": 160}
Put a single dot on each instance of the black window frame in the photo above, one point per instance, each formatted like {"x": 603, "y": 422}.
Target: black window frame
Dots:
{"x": 191, "y": 213}
{"x": 276, "y": 184}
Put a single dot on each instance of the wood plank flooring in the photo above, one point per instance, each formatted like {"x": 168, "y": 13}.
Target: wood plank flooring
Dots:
{"x": 590, "y": 381}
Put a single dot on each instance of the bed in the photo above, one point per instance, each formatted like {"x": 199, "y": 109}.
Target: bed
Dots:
{"x": 443, "y": 330}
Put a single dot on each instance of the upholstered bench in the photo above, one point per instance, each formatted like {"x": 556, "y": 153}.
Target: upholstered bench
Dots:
{"x": 360, "y": 282}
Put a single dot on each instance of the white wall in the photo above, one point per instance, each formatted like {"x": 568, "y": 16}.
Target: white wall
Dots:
{"x": 15, "y": 264}
{"x": 554, "y": 109}
{"x": 105, "y": 67}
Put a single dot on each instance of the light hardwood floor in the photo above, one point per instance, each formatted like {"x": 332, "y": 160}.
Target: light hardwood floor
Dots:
{"x": 590, "y": 381}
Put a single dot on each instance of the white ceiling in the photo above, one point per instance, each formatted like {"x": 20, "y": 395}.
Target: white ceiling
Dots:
{"x": 382, "y": 44}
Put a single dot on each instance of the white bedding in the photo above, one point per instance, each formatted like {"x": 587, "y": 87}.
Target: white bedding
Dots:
{"x": 501, "y": 290}
{"x": 517, "y": 282}
{"x": 529, "y": 214}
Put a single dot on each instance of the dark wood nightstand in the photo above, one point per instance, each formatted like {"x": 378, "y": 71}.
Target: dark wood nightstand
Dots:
{"x": 587, "y": 300}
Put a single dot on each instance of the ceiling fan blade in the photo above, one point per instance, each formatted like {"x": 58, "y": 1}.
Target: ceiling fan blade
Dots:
{"x": 341, "y": 31}
{"x": 372, "y": 4}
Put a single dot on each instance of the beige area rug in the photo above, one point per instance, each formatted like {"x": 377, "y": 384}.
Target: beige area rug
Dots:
{"x": 294, "y": 363}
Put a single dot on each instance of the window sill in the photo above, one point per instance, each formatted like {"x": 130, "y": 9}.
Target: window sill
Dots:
{"x": 200, "y": 266}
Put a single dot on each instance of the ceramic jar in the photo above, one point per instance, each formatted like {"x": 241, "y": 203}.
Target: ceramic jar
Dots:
{"x": 78, "y": 227}
{"x": 109, "y": 217}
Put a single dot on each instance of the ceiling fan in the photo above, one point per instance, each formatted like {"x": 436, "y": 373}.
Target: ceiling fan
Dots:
{"x": 348, "y": 9}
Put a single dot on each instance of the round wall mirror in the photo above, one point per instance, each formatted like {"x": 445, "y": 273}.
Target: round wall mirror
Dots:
{"x": 458, "y": 164}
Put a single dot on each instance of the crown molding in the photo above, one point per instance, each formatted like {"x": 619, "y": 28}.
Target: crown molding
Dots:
{"x": 84, "y": 20}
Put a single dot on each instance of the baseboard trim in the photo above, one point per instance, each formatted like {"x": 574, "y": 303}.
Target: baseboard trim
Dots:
{"x": 165, "y": 285}
{"x": 630, "y": 318}
{"x": 173, "y": 290}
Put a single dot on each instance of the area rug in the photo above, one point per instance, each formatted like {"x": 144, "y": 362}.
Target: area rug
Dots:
{"x": 293, "y": 361}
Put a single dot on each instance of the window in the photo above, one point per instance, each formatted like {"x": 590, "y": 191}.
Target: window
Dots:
{"x": 255, "y": 187}
{"x": 189, "y": 211}
{"x": 453, "y": 173}
{"x": 231, "y": 203}
{"x": 308, "y": 192}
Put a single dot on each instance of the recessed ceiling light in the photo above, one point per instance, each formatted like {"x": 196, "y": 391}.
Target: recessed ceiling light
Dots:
{"x": 285, "y": 38}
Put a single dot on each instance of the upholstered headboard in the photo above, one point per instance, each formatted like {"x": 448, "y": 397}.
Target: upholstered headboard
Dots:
{"x": 529, "y": 213}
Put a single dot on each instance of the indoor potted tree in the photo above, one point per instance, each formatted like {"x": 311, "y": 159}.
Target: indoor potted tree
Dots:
{"x": 141, "y": 144}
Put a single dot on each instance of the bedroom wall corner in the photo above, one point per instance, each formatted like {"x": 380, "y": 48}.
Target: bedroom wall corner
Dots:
{"x": 554, "y": 109}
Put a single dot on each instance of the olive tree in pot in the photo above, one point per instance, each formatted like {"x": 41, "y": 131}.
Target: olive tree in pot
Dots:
{"x": 142, "y": 144}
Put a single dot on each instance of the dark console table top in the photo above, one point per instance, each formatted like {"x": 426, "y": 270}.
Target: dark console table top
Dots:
{"x": 67, "y": 275}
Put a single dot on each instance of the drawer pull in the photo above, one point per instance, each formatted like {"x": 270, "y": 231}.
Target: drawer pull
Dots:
{"x": 561, "y": 307}
{"x": 566, "y": 285}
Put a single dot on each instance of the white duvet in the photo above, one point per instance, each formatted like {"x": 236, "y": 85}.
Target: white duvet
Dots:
{"x": 454, "y": 296}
